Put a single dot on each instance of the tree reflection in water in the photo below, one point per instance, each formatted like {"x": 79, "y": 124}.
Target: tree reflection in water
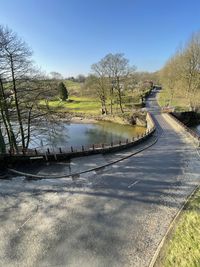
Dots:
{"x": 76, "y": 134}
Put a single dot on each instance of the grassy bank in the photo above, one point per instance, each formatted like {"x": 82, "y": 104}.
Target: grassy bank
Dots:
{"x": 75, "y": 105}
{"x": 73, "y": 87}
{"x": 87, "y": 106}
{"x": 182, "y": 246}
{"x": 84, "y": 104}
{"x": 179, "y": 102}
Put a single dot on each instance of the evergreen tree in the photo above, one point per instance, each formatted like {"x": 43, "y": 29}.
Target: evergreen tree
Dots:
{"x": 63, "y": 91}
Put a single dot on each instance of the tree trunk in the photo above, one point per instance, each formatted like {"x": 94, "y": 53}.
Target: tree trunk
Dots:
{"x": 17, "y": 104}
{"x": 111, "y": 100}
{"x": 2, "y": 143}
{"x": 29, "y": 128}
{"x": 103, "y": 107}
{"x": 119, "y": 94}
{"x": 6, "y": 119}
{"x": 171, "y": 97}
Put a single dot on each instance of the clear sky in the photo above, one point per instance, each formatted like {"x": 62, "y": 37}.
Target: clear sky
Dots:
{"x": 69, "y": 35}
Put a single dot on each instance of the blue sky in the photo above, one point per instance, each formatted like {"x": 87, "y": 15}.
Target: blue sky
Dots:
{"x": 69, "y": 35}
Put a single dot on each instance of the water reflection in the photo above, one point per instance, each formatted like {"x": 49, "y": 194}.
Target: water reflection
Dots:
{"x": 75, "y": 134}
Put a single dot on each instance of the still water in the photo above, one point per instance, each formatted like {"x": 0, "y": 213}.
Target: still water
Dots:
{"x": 65, "y": 135}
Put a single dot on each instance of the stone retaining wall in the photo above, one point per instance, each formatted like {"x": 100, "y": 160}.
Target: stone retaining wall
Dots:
{"x": 192, "y": 134}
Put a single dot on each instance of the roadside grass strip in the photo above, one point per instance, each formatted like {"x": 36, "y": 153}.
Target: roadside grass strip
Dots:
{"x": 182, "y": 246}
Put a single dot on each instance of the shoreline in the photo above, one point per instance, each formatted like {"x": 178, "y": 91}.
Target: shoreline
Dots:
{"x": 82, "y": 120}
{"x": 72, "y": 118}
{"x": 86, "y": 120}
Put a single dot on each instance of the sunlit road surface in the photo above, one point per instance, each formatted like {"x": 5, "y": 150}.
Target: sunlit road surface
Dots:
{"x": 115, "y": 216}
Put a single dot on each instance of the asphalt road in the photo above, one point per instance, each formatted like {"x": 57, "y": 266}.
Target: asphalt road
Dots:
{"x": 115, "y": 216}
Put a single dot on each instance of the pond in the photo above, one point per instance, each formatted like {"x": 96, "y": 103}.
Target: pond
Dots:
{"x": 65, "y": 135}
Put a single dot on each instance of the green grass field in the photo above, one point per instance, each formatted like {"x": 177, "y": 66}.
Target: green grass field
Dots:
{"x": 82, "y": 103}
{"x": 76, "y": 105}
{"x": 182, "y": 248}
{"x": 72, "y": 85}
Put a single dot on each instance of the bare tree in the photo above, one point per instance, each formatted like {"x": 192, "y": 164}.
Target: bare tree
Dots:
{"x": 80, "y": 78}
{"x": 181, "y": 74}
{"x": 99, "y": 83}
{"x": 115, "y": 69}
{"x": 21, "y": 89}
{"x": 56, "y": 75}
{"x": 170, "y": 75}
{"x": 190, "y": 69}
{"x": 118, "y": 69}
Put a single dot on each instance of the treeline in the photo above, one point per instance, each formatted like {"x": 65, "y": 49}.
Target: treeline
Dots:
{"x": 181, "y": 74}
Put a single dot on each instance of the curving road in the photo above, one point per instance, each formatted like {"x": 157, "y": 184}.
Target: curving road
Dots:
{"x": 114, "y": 216}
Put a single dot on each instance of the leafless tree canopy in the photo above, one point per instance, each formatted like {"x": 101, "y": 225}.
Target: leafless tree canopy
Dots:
{"x": 112, "y": 72}
{"x": 181, "y": 74}
{"x": 21, "y": 88}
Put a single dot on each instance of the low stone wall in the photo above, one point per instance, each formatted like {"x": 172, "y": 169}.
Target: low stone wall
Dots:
{"x": 60, "y": 155}
{"x": 189, "y": 118}
{"x": 150, "y": 122}
{"x": 192, "y": 134}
